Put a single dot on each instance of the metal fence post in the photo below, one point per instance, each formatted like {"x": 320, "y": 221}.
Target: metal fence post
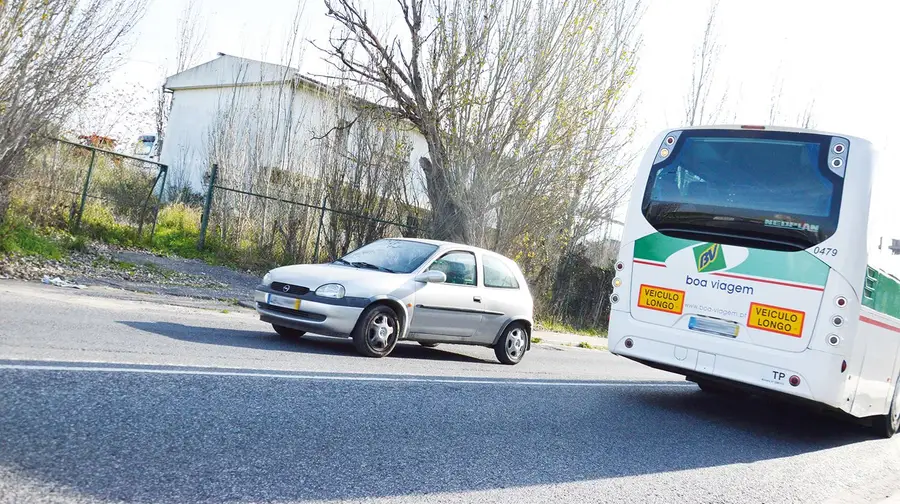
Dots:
{"x": 319, "y": 232}
{"x": 204, "y": 221}
{"x": 144, "y": 206}
{"x": 84, "y": 192}
{"x": 162, "y": 194}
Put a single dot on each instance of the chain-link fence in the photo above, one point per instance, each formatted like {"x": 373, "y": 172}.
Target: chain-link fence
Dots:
{"x": 305, "y": 228}
{"x": 93, "y": 189}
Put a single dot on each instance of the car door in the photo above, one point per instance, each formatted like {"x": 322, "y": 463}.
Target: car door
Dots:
{"x": 453, "y": 308}
{"x": 502, "y": 296}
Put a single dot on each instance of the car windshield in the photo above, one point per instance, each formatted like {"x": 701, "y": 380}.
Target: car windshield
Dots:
{"x": 770, "y": 188}
{"x": 395, "y": 256}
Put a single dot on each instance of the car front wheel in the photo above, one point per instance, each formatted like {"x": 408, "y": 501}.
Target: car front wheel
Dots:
{"x": 377, "y": 331}
{"x": 511, "y": 347}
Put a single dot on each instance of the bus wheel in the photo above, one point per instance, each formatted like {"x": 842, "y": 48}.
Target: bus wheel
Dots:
{"x": 710, "y": 387}
{"x": 887, "y": 425}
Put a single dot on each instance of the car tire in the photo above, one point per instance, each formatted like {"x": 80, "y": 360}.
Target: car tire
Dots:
{"x": 427, "y": 344}
{"x": 287, "y": 332}
{"x": 888, "y": 425}
{"x": 377, "y": 331}
{"x": 511, "y": 346}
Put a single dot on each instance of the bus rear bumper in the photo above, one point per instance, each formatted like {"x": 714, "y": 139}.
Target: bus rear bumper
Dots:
{"x": 811, "y": 374}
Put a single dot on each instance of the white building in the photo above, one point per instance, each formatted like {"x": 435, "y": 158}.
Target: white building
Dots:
{"x": 254, "y": 114}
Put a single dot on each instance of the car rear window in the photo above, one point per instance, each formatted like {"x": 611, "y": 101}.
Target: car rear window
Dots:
{"x": 498, "y": 275}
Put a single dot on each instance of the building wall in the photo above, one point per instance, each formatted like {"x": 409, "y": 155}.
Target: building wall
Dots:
{"x": 249, "y": 127}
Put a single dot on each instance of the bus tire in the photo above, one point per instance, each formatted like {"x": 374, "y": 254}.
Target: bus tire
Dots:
{"x": 711, "y": 387}
{"x": 887, "y": 425}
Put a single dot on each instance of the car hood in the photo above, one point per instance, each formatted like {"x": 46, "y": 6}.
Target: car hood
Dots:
{"x": 358, "y": 282}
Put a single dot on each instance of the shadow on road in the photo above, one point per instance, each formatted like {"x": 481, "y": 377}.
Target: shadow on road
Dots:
{"x": 185, "y": 438}
{"x": 310, "y": 344}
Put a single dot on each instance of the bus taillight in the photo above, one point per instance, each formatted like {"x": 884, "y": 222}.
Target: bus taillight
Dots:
{"x": 794, "y": 381}
{"x": 843, "y": 366}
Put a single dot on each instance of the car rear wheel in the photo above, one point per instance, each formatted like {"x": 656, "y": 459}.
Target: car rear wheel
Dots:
{"x": 377, "y": 331}
{"x": 287, "y": 332}
{"x": 511, "y": 347}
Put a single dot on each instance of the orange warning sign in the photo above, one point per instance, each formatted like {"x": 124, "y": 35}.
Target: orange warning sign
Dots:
{"x": 660, "y": 299}
{"x": 776, "y": 320}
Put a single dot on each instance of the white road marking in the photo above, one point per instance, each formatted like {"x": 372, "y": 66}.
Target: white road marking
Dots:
{"x": 397, "y": 379}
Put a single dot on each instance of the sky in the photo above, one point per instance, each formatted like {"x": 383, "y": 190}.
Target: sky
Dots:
{"x": 836, "y": 55}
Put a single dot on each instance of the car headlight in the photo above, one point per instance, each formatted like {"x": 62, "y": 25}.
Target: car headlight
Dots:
{"x": 267, "y": 280}
{"x": 335, "y": 291}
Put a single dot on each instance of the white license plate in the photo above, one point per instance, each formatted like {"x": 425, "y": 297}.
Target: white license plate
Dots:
{"x": 284, "y": 301}
{"x": 722, "y": 328}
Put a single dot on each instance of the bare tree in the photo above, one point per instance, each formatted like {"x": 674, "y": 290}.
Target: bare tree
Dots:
{"x": 775, "y": 101}
{"x": 191, "y": 35}
{"x": 190, "y": 39}
{"x": 806, "y": 118}
{"x": 698, "y": 109}
{"x": 502, "y": 92}
{"x": 109, "y": 110}
{"x": 51, "y": 54}
{"x": 364, "y": 177}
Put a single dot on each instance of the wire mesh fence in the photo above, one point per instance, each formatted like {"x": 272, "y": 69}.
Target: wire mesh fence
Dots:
{"x": 302, "y": 228}
{"x": 68, "y": 184}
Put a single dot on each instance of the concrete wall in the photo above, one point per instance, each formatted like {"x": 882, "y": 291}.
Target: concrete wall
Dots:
{"x": 264, "y": 124}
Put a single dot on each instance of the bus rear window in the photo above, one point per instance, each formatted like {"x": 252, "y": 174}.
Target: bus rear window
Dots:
{"x": 751, "y": 188}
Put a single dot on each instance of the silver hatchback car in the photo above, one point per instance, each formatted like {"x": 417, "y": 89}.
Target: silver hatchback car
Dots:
{"x": 403, "y": 289}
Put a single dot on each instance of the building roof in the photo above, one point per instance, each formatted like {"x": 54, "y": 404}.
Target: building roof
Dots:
{"x": 232, "y": 71}
{"x": 228, "y": 71}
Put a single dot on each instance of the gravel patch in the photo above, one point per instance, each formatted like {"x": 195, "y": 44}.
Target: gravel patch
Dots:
{"x": 138, "y": 271}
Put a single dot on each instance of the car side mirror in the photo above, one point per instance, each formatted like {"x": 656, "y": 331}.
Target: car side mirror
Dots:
{"x": 431, "y": 277}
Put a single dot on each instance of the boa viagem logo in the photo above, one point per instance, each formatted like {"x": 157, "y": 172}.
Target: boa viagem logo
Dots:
{"x": 709, "y": 257}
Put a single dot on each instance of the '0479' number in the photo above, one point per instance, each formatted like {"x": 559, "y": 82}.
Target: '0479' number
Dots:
{"x": 826, "y": 251}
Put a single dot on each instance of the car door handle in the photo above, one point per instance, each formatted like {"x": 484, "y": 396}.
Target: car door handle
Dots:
{"x": 477, "y": 299}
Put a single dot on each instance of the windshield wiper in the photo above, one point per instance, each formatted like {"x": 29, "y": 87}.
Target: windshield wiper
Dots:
{"x": 360, "y": 264}
{"x": 342, "y": 261}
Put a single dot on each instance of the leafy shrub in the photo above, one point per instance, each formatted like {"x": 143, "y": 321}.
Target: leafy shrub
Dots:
{"x": 18, "y": 235}
{"x": 98, "y": 222}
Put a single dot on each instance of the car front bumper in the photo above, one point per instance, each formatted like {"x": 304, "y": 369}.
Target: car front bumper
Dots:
{"x": 318, "y": 316}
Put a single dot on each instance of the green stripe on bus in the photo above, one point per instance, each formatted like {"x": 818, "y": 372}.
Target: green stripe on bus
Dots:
{"x": 658, "y": 247}
{"x": 800, "y": 267}
{"x": 884, "y": 295}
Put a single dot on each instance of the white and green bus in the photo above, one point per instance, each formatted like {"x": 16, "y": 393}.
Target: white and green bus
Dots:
{"x": 746, "y": 261}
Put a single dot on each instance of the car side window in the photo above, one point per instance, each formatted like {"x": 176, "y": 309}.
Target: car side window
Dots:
{"x": 458, "y": 266}
{"x": 497, "y": 274}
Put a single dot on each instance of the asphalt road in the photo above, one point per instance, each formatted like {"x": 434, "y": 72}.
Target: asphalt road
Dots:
{"x": 111, "y": 400}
